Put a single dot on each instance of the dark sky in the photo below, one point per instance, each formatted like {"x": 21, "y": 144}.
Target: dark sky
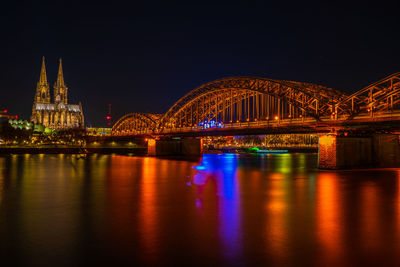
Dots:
{"x": 143, "y": 57}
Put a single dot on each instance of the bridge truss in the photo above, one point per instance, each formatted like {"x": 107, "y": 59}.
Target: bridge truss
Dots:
{"x": 381, "y": 96}
{"x": 136, "y": 123}
{"x": 246, "y": 102}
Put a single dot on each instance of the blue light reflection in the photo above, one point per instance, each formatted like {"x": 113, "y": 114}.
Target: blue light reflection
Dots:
{"x": 219, "y": 172}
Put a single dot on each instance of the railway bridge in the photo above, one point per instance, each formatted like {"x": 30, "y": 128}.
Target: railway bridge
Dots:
{"x": 355, "y": 130}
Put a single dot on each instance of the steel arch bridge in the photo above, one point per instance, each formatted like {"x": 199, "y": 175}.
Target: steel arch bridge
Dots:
{"x": 246, "y": 102}
{"x": 136, "y": 123}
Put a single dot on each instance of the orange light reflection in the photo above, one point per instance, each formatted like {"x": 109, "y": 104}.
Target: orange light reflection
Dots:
{"x": 277, "y": 209}
{"x": 147, "y": 210}
{"x": 329, "y": 217}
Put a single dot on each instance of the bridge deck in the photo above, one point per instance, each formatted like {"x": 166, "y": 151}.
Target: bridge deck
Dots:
{"x": 380, "y": 121}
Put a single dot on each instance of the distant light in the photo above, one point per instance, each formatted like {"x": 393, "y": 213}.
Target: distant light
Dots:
{"x": 276, "y": 117}
{"x": 199, "y": 168}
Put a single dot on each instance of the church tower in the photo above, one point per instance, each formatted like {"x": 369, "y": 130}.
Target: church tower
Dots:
{"x": 42, "y": 87}
{"x": 57, "y": 114}
{"x": 60, "y": 89}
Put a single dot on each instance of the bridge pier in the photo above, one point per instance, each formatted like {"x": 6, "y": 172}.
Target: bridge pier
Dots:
{"x": 175, "y": 147}
{"x": 343, "y": 152}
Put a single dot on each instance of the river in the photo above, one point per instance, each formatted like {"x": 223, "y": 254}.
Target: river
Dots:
{"x": 227, "y": 209}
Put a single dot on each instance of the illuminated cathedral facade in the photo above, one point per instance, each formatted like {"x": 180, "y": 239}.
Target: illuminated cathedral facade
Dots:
{"x": 57, "y": 114}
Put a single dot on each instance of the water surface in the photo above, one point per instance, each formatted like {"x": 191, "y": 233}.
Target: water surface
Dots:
{"x": 226, "y": 209}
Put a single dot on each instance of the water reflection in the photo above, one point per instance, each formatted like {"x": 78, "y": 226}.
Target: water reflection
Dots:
{"x": 277, "y": 218}
{"x": 222, "y": 171}
{"x": 148, "y": 212}
{"x": 329, "y": 218}
{"x": 225, "y": 209}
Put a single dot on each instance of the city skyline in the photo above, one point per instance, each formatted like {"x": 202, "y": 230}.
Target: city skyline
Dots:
{"x": 129, "y": 56}
{"x": 250, "y": 133}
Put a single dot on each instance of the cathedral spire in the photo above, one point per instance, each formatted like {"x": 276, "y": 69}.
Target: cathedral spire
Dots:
{"x": 43, "y": 75}
{"x": 42, "y": 88}
{"x": 60, "y": 76}
{"x": 60, "y": 89}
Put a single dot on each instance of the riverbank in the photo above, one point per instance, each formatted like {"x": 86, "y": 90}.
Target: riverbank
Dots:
{"x": 131, "y": 150}
{"x": 73, "y": 150}
{"x": 249, "y": 150}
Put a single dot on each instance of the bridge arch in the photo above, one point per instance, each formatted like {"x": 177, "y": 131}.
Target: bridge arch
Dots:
{"x": 380, "y": 96}
{"x": 239, "y": 99}
{"x": 135, "y": 123}
{"x": 240, "y": 102}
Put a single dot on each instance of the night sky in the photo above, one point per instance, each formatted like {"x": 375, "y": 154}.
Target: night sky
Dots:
{"x": 144, "y": 57}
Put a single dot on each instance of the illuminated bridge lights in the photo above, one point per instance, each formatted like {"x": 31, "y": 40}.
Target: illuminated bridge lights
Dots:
{"x": 210, "y": 124}
{"x": 246, "y": 102}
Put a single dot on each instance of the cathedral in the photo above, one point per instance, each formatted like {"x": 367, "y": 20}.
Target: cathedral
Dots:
{"x": 57, "y": 114}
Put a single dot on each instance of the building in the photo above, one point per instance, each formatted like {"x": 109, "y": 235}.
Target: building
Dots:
{"x": 98, "y": 131}
{"x": 57, "y": 114}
